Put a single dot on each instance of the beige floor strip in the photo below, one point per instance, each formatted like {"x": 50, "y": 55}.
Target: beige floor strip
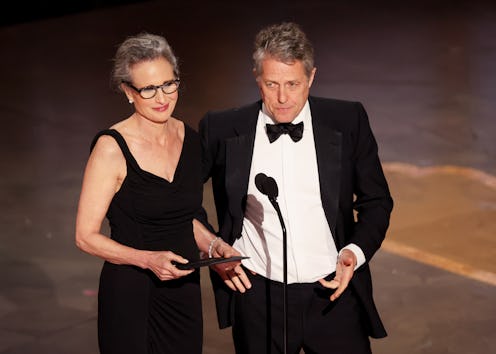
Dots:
{"x": 413, "y": 170}
{"x": 439, "y": 262}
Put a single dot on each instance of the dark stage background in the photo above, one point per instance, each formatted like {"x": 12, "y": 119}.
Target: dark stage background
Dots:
{"x": 424, "y": 70}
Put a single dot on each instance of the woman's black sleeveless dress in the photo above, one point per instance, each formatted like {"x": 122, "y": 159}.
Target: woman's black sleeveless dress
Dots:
{"x": 138, "y": 313}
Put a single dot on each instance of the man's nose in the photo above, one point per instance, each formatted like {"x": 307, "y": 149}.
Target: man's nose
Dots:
{"x": 281, "y": 95}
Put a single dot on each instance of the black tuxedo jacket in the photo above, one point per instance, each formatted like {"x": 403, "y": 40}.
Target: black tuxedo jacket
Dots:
{"x": 354, "y": 192}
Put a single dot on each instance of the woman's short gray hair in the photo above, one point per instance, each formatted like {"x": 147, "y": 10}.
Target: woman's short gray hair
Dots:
{"x": 137, "y": 49}
{"x": 285, "y": 42}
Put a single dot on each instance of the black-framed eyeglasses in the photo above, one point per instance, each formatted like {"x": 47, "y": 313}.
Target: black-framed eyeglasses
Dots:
{"x": 148, "y": 92}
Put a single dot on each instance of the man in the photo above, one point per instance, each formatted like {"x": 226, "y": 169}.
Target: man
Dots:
{"x": 324, "y": 174}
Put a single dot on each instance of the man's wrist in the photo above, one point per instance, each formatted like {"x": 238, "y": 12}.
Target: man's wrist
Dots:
{"x": 357, "y": 251}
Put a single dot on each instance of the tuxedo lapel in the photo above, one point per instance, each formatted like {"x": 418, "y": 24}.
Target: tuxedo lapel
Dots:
{"x": 328, "y": 146}
{"x": 239, "y": 153}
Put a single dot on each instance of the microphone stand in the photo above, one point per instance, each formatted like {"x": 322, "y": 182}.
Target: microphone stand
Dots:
{"x": 268, "y": 186}
{"x": 273, "y": 201}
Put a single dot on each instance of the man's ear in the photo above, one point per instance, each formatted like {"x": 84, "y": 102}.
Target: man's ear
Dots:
{"x": 255, "y": 73}
{"x": 312, "y": 76}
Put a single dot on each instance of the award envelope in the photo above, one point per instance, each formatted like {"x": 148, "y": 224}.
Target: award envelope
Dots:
{"x": 207, "y": 262}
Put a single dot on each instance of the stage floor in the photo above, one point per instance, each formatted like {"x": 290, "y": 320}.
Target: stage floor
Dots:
{"x": 426, "y": 75}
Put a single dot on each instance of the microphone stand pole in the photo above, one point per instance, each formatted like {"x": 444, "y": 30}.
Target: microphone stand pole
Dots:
{"x": 285, "y": 272}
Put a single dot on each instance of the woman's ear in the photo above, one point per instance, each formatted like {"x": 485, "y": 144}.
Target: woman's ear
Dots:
{"x": 127, "y": 92}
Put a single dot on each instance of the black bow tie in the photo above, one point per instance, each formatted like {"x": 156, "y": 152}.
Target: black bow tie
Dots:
{"x": 274, "y": 131}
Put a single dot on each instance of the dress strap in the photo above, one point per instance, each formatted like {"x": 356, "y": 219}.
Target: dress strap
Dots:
{"x": 120, "y": 140}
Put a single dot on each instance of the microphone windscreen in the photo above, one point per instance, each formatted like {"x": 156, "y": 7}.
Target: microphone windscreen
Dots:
{"x": 270, "y": 187}
{"x": 266, "y": 185}
{"x": 260, "y": 182}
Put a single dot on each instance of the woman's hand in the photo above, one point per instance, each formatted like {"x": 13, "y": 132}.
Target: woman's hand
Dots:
{"x": 160, "y": 263}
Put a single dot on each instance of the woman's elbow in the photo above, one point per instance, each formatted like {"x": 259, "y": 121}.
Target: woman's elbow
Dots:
{"x": 81, "y": 241}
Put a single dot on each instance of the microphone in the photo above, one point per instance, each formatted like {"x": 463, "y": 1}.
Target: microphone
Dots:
{"x": 268, "y": 186}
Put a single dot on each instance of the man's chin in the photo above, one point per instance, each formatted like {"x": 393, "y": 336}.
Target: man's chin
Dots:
{"x": 284, "y": 118}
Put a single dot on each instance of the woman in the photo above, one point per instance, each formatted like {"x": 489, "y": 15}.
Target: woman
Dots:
{"x": 144, "y": 174}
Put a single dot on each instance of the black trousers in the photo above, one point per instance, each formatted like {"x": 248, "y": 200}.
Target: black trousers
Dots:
{"x": 315, "y": 324}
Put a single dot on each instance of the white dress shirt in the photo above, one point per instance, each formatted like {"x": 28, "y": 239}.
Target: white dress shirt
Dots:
{"x": 312, "y": 253}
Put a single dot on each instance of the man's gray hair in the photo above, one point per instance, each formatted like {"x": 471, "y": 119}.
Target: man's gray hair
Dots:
{"x": 285, "y": 42}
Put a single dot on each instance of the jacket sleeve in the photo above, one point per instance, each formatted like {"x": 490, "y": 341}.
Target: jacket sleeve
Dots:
{"x": 373, "y": 203}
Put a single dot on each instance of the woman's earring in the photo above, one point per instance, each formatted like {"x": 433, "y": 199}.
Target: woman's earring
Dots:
{"x": 130, "y": 101}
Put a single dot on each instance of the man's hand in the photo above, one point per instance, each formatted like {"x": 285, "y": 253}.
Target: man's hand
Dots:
{"x": 345, "y": 268}
{"x": 232, "y": 273}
